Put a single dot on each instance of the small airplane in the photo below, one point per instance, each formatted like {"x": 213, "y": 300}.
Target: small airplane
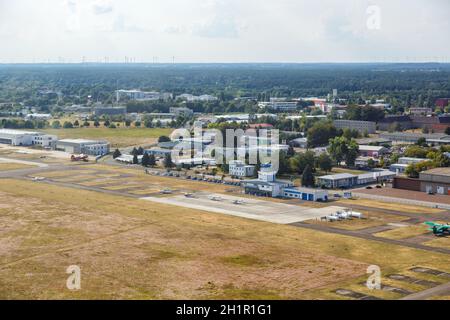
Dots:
{"x": 439, "y": 229}
{"x": 189, "y": 195}
{"x": 215, "y": 198}
{"x": 238, "y": 202}
{"x": 166, "y": 191}
{"x": 38, "y": 179}
{"x": 80, "y": 157}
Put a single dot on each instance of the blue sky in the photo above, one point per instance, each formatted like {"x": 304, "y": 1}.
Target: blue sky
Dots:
{"x": 225, "y": 30}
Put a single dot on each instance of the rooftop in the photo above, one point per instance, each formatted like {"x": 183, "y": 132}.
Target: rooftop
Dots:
{"x": 438, "y": 171}
{"x": 338, "y": 176}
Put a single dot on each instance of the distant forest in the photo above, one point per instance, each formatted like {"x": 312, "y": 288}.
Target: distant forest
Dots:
{"x": 402, "y": 85}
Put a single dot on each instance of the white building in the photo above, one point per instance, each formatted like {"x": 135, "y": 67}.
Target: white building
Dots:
{"x": 240, "y": 169}
{"x": 38, "y": 116}
{"x": 306, "y": 194}
{"x": 279, "y": 105}
{"x": 26, "y": 138}
{"x": 266, "y": 185}
{"x": 182, "y": 111}
{"x": 139, "y": 95}
{"x": 78, "y": 146}
{"x": 191, "y": 98}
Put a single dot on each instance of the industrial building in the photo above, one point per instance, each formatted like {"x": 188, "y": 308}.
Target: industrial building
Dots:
{"x": 240, "y": 169}
{"x": 81, "y": 146}
{"x": 435, "y": 181}
{"x": 109, "y": 111}
{"x": 158, "y": 152}
{"x": 347, "y": 180}
{"x": 306, "y": 194}
{"x": 139, "y": 95}
{"x": 26, "y": 138}
{"x": 411, "y": 138}
{"x": 361, "y": 126}
{"x": 335, "y": 181}
{"x": 403, "y": 163}
{"x": 372, "y": 151}
{"x": 182, "y": 112}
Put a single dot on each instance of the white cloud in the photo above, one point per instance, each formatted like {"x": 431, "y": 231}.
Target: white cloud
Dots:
{"x": 224, "y": 30}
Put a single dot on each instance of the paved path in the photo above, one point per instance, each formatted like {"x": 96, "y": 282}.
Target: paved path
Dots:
{"x": 367, "y": 236}
{"x": 443, "y": 289}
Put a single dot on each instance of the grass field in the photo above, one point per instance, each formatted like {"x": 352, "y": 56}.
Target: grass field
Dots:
{"x": 387, "y": 205}
{"x": 133, "y": 249}
{"x": 404, "y": 232}
{"x": 443, "y": 242}
{"x": 120, "y": 137}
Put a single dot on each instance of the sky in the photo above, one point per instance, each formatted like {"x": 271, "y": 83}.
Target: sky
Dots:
{"x": 224, "y": 31}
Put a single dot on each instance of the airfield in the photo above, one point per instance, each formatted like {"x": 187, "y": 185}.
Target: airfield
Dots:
{"x": 246, "y": 208}
{"x": 132, "y": 240}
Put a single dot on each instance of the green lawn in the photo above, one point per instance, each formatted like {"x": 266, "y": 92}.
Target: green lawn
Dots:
{"x": 120, "y": 137}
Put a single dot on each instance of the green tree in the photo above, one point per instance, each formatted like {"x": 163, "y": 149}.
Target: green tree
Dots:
{"x": 67, "y": 125}
{"x": 145, "y": 160}
{"x": 300, "y": 161}
{"x": 135, "y": 159}
{"x": 320, "y": 133}
{"x": 56, "y": 124}
{"x": 151, "y": 160}
{"x": 308, "y": 177}
{"x": 76, "y": 123}
{"x": 324, "y": 162}
{"x": 106, "y": 123}
{"x": 447, "y": 130}
{"x": 116, "y": 154}
{"x": 352, "y": 153}
{"x": 337, "y": 149}
{"x": 163, "y": 139}
{"x": 412, "y": 171}
{"x": 96, "y": 124}
{"x": 86, "y": 124}
{"x": 168, "y": 161}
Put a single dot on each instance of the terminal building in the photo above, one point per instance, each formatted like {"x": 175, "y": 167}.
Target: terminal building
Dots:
{"x": 81, "y": 146}
{"x": 267, "y": 184}
{"x": 347, "y": 180}
{"x": 240, "y": 169}
{"x": 26, "y": 138}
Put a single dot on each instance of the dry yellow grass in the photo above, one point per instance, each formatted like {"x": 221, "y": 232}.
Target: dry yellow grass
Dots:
{"x": 388, "y": 206}
{"x": 132, "y": 249}
{"x": 404, "y": 232}
{"x": 443, "y": 242}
